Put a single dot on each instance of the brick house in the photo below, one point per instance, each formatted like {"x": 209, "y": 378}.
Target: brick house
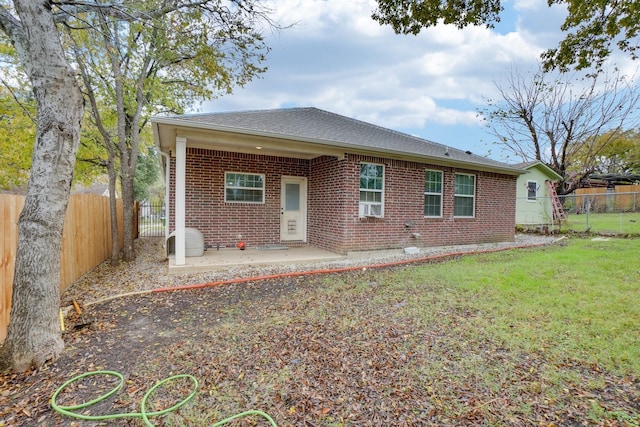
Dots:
{"x": 308, "y": 176}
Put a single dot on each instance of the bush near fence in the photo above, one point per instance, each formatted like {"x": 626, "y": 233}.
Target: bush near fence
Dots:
{"x": 86, "y": 242}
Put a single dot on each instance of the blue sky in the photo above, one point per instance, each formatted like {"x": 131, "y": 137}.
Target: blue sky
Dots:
{"x": 338, "y": 59}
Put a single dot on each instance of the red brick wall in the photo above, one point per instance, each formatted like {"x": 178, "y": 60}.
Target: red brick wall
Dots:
{"x": 330, "y": 203}
{"x": 404, "y": 209}
{"x": 221, "y": 222}
{"x": 333, "y": 196}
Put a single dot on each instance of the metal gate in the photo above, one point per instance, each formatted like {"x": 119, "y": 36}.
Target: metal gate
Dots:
{"x": 151, "y": 219}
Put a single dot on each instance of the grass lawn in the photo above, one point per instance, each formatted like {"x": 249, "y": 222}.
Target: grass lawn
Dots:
{"x": 532, "y": 337}
{"x": 619, "y": 223}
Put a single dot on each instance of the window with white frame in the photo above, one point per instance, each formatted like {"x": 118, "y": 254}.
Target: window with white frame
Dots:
{"x": 464, "y": 195}
{"x": 432, "y": 193}
{"x": 243, "y": 187}
{"x": 371, "y": 190}
{"x": 532, "y": 191}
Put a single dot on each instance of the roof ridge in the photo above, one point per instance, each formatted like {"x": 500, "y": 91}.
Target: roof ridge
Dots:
{"x": 217, "y": 113}
{"x": 399, "y": 133}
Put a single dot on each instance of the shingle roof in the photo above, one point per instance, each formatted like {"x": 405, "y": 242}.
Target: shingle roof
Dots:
{"x": 537, "y": 163}
{"x": 313, "y": 124}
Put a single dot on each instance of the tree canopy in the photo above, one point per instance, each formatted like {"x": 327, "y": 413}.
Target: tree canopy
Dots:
{"x": 120, "y": 38}
{"x": 148, "y": 57}
{"x": 17, "y": 137}
{"x": 593, "y": 29}
{"x": 619, "y": 154}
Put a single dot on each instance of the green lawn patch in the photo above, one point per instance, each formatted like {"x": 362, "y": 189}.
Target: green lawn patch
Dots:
{"x": 613, "y": 223}
{"x": 530, "y": 337}
{"x": 523, "y": 337}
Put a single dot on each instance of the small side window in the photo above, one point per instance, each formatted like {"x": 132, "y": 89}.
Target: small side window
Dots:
{"x": 532, "y": 190}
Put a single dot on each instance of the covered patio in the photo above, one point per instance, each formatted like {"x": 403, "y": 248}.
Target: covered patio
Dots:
{"x": 214, "y": 259}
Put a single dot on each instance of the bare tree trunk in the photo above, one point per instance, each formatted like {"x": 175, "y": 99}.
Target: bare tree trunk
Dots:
{"x": 34, "y": 330}
{"x": 128, "y": 162}
{"x": 128, "y": 207}
{"x": 113, "y": 209}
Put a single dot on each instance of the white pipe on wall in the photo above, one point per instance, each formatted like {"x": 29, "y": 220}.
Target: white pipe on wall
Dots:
{"x": 167, "y": 178}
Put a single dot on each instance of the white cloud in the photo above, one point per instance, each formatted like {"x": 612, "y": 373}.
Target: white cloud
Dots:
{"x": 337, "y": 58}
{"x": 523, "y": 5}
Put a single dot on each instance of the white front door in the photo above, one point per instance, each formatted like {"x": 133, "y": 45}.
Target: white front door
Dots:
{"x": 293, "y": 209}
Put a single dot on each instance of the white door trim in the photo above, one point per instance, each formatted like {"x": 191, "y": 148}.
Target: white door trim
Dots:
{"x": 293, "y": 224}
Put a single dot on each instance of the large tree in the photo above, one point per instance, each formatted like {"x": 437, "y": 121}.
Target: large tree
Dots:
{"x": 593, "y": 29}
{"x": 564, "y": 122}
{"x": 155, "y": 56}
{"x": 34, "y": 330}
{"x": 34, "y": 29}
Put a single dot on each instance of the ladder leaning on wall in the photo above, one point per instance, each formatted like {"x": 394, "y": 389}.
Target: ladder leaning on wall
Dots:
{"x": 558, "y": 212}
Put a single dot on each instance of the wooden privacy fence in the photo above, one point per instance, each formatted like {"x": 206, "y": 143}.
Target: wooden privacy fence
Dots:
{"x": 623, "y": 198}
{"x": 86, "y": 242}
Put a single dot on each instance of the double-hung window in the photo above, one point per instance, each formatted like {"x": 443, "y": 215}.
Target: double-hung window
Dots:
{"x": 432, "y": 193}
{"x": 243, "y": 187}
{"x": 371, "y": 190}
{"x": 464, "y": 195}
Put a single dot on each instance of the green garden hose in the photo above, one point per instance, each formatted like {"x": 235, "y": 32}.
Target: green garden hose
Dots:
{"x": 71, "y": 410}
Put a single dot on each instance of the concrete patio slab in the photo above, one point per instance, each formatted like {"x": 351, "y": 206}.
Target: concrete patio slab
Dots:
{"x": 223, "y": 258}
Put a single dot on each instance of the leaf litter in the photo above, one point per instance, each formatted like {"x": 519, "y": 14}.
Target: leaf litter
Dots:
{"x": 340, "y": 350}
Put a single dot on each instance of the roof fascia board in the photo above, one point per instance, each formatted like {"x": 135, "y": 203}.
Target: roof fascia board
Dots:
{"x": 546, "y": 169}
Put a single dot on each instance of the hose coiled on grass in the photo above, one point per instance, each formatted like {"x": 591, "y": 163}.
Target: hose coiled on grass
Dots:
{"x": 70, "y": 410}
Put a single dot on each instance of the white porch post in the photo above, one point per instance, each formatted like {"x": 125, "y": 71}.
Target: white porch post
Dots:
{"x": 181, "y": 154}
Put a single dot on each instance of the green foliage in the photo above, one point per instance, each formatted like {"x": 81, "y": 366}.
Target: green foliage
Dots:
{"x": 614, "y": 152}
{"x": 409, "y": 17}
{"x": 17, "y": 134}
{"x": 91, "y": 160}
{"x": 622, "y": 154}
{"x": 175, "y": 58}
{"x": 147, "y": 174}
{"x": 592, "y": 28}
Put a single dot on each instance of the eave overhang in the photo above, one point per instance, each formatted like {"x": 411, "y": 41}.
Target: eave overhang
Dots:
{"x": 232, "y": 139}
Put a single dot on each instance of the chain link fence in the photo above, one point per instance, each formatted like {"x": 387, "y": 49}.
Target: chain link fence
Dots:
{"x": 602, "y": 211}
{"x": 596, "y": 210}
